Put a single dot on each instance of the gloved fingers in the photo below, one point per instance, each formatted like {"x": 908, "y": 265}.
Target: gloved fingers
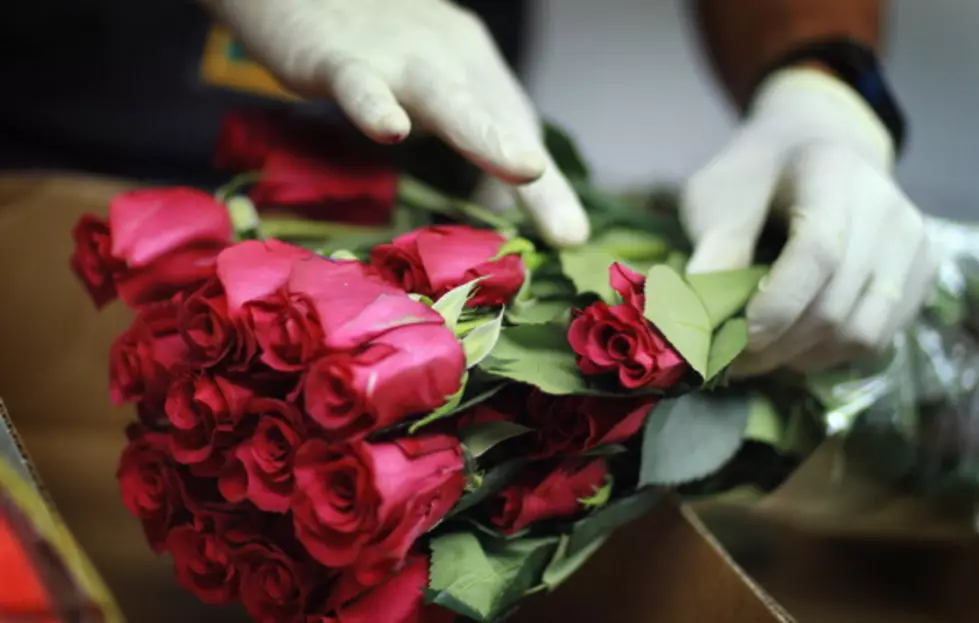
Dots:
{"x": 446, "y": 106}
{"x": 724, "y": 205}
{"x": 554, "y": 208}
{"x": 810, "y": 257}
{"x": 883, "y": 311}
{"x": 549, "y": 201}
{"x": 832, "y": 306}
{"x": 369, "y": 102}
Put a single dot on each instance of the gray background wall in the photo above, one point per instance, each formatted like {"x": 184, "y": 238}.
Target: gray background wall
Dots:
{"x": 628, "y": 79}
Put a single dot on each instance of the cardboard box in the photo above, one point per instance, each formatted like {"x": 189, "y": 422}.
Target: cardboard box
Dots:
{"x": 825, "y": 548}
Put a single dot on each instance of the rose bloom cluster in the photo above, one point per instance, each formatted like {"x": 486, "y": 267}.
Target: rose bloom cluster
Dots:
{"x": 270, "y": 384}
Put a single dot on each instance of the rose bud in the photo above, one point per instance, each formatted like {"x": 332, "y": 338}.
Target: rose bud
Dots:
{"x": 209, "y": 331}
{"x": 363, "y": 505}
{"x": 547, "y": 494}
{"x": 433, "y": 260}
{"x": 619, "y": 341}
{"x": 274, "y": 586}
{"x": 150, "y": 484}
{"x": 410, "y": 370}
{"x": 259, "y": 468}
{"x": 205, "y": 413}
{"x": 156, "y": 242}
{"x": 143, "y": 359}
{"x": 203, "y": 564}
{"x": 574, "y": 424}
{"x": 399, "y": 598}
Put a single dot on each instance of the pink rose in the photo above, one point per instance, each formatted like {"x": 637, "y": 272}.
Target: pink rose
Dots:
{"x": 363, "y": 505}
{"x": 433, "y": 260}
{"x": 156, "y": 242}
{"x": 209, "y": 331}
{"x": 410, "y": 370}
{"x": 203, "y": 564}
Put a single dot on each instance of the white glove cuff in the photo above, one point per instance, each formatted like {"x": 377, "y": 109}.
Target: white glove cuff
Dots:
{"x": 830, "y": 107}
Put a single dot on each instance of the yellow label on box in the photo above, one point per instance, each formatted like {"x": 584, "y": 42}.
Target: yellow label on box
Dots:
{"x": 225, "y": 65}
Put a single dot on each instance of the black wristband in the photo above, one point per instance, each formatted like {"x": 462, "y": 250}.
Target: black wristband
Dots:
{"x": 855, "y": 64}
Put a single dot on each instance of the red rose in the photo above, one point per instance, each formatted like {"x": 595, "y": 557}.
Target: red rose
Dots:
{"x": 543, "y": 494}
{"x": 574, "y": 424}
{"x": 287, "y": 329}
{"x": 363, "y": 505}
{"x": 433, "y": 260}
{"x": 273, "y": 585}
{"x": 398, "y": 599}
{"x": 618, "y": 340}
{"x": 150, "y": 485}
{"x": 143, "y": 358}
{"x": 409, "y": 370}
{"x": 93, "y": 262}
{"x": 203, "y": 563}
{"x": 204, "y": 413}
{"x": 321, "y": 188}
{"x": 209, "y": 331}
{"x": 156, "y": 242}
{"x": 260, "y": 467}
{"x": 245, "y": 139}
{"x": 628, "y": 283}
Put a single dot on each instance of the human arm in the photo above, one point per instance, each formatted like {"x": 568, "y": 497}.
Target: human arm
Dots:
{"x": 811, "y": 149}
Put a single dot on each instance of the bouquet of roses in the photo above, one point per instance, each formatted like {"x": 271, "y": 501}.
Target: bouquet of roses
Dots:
{"x": 428, "y": 418}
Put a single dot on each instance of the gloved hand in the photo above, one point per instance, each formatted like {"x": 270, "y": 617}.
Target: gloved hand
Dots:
{"x": 389, "y": 63}
{"x": 857, "y": 265}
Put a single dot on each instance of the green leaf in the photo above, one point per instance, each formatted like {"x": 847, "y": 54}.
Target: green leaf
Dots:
{"x": 727, "y": 344}
{"x": 450, "y": 407}
{"x": 601, "y": 496}
{"x": 691, "y": 437}
{"x": 479, "y": 342}
{"x": 631, "y": 244}
{"x": 764, "y": 424}
{"x": 587, "y": 268}
{"x": 342, "y": 254}
{"x": 724, "y": 293}
{"x": 244, "y": 216}
{"x": 516, "y": 246}
{"x": 565, "y": 153}
{"x": 491, "y": 482}
{"x": 452, "y": 303}
{"x": 674, "y": 308}
{"x": 484, "y": 578}
{"x": 481, "y": 438}
{"x": 537, "y": 312}
{"x": 538, "y": 355}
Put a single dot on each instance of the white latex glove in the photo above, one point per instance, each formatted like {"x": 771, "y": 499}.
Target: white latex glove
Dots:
{"x": 857, "y": 265}
{"x": 389, "y": 63}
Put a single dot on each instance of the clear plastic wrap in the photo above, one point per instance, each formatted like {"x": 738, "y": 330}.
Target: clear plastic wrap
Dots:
{"x": 912, "y": 414}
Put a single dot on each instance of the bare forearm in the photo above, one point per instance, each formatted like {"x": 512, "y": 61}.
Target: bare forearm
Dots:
{"x": 746, "y": 37}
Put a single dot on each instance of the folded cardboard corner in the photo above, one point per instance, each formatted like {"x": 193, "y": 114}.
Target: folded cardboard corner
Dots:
{"x": 714, "y": 564}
